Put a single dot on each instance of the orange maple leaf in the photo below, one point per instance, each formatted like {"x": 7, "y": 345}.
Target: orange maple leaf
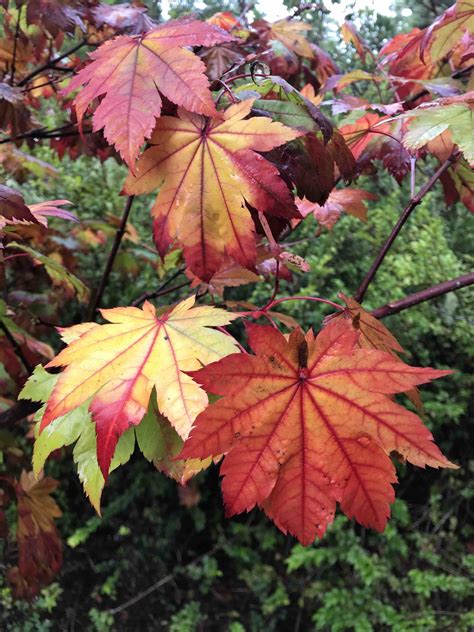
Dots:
{"x": 359, "y": 134}
{"x": 207, "y": 171}
{"x": 308, "y": 422}
{"x": 130, "y": 71}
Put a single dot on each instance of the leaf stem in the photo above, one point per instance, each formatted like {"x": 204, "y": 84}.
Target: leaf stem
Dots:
{"x": 359, "y": 295}
{"x": 424, "y": 295}
{"x": 96, "y": 301}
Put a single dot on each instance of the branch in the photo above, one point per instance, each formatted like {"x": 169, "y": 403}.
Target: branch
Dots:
{"x": 50, "y": 65}
{"x": 43, "y": 132}
{"x": 456, "y": 75}
{"x": 359, "y": 295}
{"x": 424, "y": 295}
{"x": 15, "y": 46}
{"x": 17, "y": 348}
{"x": 95, "y": 303}
{"x": 17, "y": 412}
{"x": 147, "y": 295}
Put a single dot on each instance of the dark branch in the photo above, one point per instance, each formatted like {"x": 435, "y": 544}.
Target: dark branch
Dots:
{"x": 43, "y": 132}
{"x": 15, "y": 46}
{"x": 50, "y": 65}
{"x": 424, "y": 295}
{"x": 422, "y": 93}
{"x": 17, "y": 348}
{"x": 17, "y": 412}
{"x": 147, "y": 295}
{"x": 95, "y": 303}
{"x": 359, "y": 295}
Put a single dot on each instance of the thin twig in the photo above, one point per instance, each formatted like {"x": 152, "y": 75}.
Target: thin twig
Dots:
{"x": 45, "y": 133}
{"x": 49, "y": 65}
{"x": 157, "y": 293}
{"x": 15, "y": 46}
{"x": 17, "y": 348}
{"x": 424, "y": 295}
{"x": 19, "y": 410}
{"x": 161, "y": 582}
{"x": 146, "y": 295}
{"x": 96, "y": 301}
{"x": 359, "y": 295}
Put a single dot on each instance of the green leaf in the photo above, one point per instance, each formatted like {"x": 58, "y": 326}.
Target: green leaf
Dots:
{"x": 63, "y": 431}
{"x": 85, "y": 458}
{"x": 157, "y": 439}
{"x": 57, "y": 272}
{"x": 428, "y": 123}
{"x": 286, "y": 112}
{"x": 39, "y": 385}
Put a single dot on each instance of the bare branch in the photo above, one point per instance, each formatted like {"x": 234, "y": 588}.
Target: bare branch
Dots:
{"x": 95, "y": 303}
{"x": 424, "y": 295}
{"x": 153, "y": 294}
{"x": 50, "y": 65}
{"x": 15, "y": 46}
{"x": 359, "y": 295}
{"x": 17, "y": 412}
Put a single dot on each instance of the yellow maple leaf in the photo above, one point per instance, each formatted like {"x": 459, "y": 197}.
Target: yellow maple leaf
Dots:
{"x": 116, "y": 366}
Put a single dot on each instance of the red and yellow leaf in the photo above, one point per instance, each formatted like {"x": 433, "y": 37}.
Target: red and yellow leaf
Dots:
{"x": 116, "y": 366}
{"x": 350, "y": 35}
{"x": 291, "y": 33}
{"x": 308, "y": 422}
{"x": 130, "y": 72}
{"x": 207, "y": 171}
{"x": 352, "y": 201}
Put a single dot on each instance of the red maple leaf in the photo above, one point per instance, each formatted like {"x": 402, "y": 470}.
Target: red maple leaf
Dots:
{"x": 307, "y": 422}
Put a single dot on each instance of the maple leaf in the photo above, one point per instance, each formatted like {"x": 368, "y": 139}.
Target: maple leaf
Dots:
{"x": 224, "y": 20}
{"x": 374, "y": 335}
{"x": 118, "y": 364}
{"x": 57, "y": 272}
{"x": 458, "y": 184}
{"x": 160, "y": 443}
{"x": 39, "y": 544}
{"x": 339, "y": 82}
{"x": 305, "y": 423}
{"x": 73, "y": 427}
{"x": 444, "y": 34}
{"x": 230, "y": 274}
{"x": 51, "y": 208}
{"x": 207, "y": 171}
{"x": 353, "y": 201}
{"x": 131, "y": 71}
{"x": 291, "y": 34}
{"x": 350, "y": 35}
{"x": 395, "y": 158}
{"x": 14, "y": 115}
{"x": 13, "y": 209}
{"x": 123, "y": 17}
{"x": 358, "y": 135}
{"x": 56, "y": 16}
{"x": 427, "y": 123}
